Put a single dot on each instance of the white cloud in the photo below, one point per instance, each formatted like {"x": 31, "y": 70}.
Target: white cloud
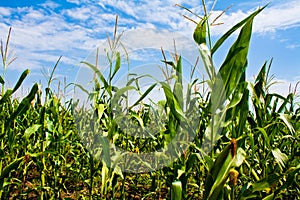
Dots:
{"x": 5, "y": 11}
{"x": 50, "y": 4}
{"x": 77, "y": 2}
{"x": 273, "y": 18}
{"x": 81, "y": 13}
{"x": 279, "y": 17}
{"x": 46, "y": 33}
{"x": 293, "y": 46}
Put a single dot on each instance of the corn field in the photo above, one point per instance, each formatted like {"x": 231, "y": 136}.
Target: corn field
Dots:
{"x": 237, "y": 140}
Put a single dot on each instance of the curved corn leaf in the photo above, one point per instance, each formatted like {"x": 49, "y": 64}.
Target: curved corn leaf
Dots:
{"x": 265, "y": 136}
{"x": 11, "y": 166}
{"x": 143, "y": 95}
{"x": 6, "y": 96}
{"x": 29, "y": 131}
{"x": 117, "y": 65}
{"x": 234, "y": 28}
{"x": 100, "y": 76}
{"x": 21, "y": 79}
{"x": 172, "y": 101}
{"x": 119, "y": 93}
{"x": 178, "y": 88}
{"x": 222, "y": 175}
{"x": 2, "y": 80}
{"x": 25, "y": 103}
{"x": 236, "y": 60}
{"x": 226, "y": 160}
{"x": 207, "y": 61}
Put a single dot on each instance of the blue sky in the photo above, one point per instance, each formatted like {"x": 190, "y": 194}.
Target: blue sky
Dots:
{"x": 44, "y": 30}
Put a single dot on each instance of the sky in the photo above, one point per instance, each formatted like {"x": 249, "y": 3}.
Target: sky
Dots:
{"x": 42, "y": 31}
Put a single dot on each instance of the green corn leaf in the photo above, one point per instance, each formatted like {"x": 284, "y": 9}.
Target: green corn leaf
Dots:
{"x": 21, "y": 79}
{"x": 143, "y": 95}
{"x": 210, "y": 180}
{"x": 100, "y": 76}
{"x": 12, "y": 166}
{"x": 105, "y": 150}
{"x": 285, "y": 101}
{"x": 119, "y": 93}
{"x": 2, "y": 80}
{"x": 178, "y": 94}
{"x": 212, "y": 131}
{"x": 234, "y": 28}
{"x": 35, "y": 155}
{"x": 238, "y": 109}
{"x": 50, "y": 79}
{"x": 200, "y": 32}
{"x": 233, "y": 68}
{"x": 117, "y": 65}
{"x": 29, "y": 131}
{"x": 176, "y": 192}
{"x": 138, "y": 118}
{"x": 220, "y": 160}
{"x": 82, "y": 88}
{"x": 265, "y": 136}
{"x": 25, "y": 103}
{"x": 269, "y": 197}
{"x": 179, "y": 70}
{"x": 236, "y": 60}
{"x": 207, "y": 61}
{"x": 172, "y": 101}
{"x": 235, "y": 100}
{"x": 188, "y": 95}
{"x": 221, "y": 178}
{"x": 242, "y": 109}
{"x": 260, "y": 81}
{"x": 6, "y": 96}
{"x": 266, "y": 183}
{"x": 104, "y": 175}
{"x": 178, "y": 88}
{"x": 118, "y": 171}
{"x": 225, "y": 161}
{"x": 252, "y": 144}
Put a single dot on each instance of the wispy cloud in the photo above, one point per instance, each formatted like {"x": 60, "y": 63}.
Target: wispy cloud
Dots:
{"x": 4, "y": 12}
{"x": 279, "y": 17}
{"x": 293, "y": 46}
{"x": 273, "y": 18}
